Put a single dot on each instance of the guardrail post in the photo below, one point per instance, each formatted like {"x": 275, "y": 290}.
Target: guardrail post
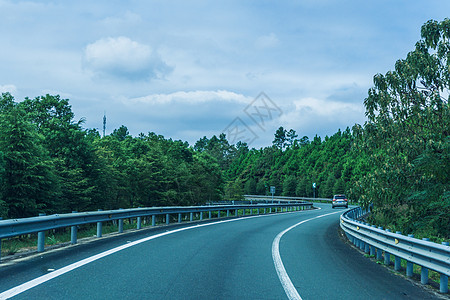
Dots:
{"x": 443, "y": 288}
{"x": 138, "y": 223}
{"x": 243, "y": 212}
{"x": 120, "y": 225}
{"x": 372, "y": 248}
{"x": 379, "y": 251}
{"x": 218, "y": 214}
{"x": 228, "y": 213}
{"x": 409, "y": 265}
{"x": 387, "y": 256}
{"x": 424, "y": 272}
{"x": 41, "y": 239}
{"x": 153, "y": 220}
{"x": 191, "y": 217}
{"x": 167, "y": 219}
{"x": 210, "y": 214}
{"x": 99, "y": 228}
{"x": 236, "y": 212}
{"x": 73, "y": 233}
{"x": 201, "y": 215}
{"x": 179, "y": 218}
{"x": 398, "y": 260}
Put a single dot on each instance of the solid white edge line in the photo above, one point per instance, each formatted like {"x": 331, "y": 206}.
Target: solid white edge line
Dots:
{"x": 39, "y": 280}
{"x": 288, "y": 286}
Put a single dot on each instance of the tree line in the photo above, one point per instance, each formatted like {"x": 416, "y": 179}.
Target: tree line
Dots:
{"x": 398, "y": 160}
{"x": 50, "y": 164}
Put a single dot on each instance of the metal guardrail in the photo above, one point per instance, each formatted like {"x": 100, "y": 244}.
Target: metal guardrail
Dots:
{"x": 375, "y": 241}
{"x": 15, "y": 227}
{"x": 282, "y": 198}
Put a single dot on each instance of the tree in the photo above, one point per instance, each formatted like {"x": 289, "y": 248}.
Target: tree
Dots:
{"x": 291, "y": 138}
{"x": 407, "y": 137}
{"x": 289, "y": 186}
{"x": 28, "y": 181}
{"x": 121, "y": 133}
{"x": 304, "y": 141}
{"x": 250, "y": 186}
{"x": 280, "y": 138}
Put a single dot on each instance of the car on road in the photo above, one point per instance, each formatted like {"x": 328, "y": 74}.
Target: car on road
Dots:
{"x": 339, "y": 201}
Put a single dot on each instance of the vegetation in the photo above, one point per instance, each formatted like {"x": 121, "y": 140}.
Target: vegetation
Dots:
{"x": 406, "y": 139}
{"x": 50, "y": 164}
{"x": 398, "y": 160}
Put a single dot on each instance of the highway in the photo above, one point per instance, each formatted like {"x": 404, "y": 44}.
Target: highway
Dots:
{"x": 296, "y": 255}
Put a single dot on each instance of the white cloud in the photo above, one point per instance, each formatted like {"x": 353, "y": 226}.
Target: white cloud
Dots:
{"x": 193, "y": 97}
{"x": 310, "y": 116}
{"x": 326, "y": 108}
{"x": 8, "y": 88}
{"x": 123, "y": 57}
{"x": 267, "y": 41}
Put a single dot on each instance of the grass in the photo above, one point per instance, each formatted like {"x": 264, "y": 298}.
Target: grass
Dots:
{"x": 58, "y": 236}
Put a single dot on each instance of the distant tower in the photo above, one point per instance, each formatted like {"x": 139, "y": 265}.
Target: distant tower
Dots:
{"x": 104, "y": 123}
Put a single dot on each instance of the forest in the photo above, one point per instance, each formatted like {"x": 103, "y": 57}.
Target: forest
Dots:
{"x": 398, "y": 160}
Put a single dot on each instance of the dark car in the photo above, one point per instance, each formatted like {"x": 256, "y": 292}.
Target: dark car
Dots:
{"x": 339, "y": 200}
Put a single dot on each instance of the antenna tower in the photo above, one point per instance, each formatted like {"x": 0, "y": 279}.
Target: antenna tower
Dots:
{"x": 104, "y": 123}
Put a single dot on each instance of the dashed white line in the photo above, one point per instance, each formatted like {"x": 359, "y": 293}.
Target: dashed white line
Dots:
{"x": 288, "y": 286}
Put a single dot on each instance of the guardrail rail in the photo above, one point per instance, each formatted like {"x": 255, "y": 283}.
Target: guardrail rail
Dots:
{"x": 16, "y": 227}
{"x": 383, "y": 243}
{"x": 267, "y": 199}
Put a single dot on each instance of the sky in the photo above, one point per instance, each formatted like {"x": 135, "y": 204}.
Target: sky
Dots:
{"x": 188, "y": 69}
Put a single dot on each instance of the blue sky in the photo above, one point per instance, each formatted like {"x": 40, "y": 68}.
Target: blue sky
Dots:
{"x": 188, "y": 69}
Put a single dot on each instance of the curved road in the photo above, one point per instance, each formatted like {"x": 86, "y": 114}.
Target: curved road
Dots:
{"x": 294, "y": 255}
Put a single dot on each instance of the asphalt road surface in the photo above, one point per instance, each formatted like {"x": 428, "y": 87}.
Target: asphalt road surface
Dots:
{"x": 296, "y": 255}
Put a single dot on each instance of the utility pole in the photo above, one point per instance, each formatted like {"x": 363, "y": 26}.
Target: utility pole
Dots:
{"x": 104, "y": 123}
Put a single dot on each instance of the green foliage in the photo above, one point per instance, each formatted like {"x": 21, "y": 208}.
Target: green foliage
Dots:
{"x": 49, "y": 163}
{"x": 406, "y": 138}
{"x": 293, "y": 170}
{"x": 27, "y": 172}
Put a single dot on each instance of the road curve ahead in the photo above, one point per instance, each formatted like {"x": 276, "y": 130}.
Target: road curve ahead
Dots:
{"x": 294, "y": 255}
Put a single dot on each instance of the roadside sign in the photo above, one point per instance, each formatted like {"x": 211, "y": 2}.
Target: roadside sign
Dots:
{"x": 272, "y": 190}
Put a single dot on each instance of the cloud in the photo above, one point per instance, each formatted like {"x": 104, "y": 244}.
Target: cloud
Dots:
{"x": 310, "y": 116}
{"x": 267, "y": 41}
{"x": 124, "y": 58}
{"x": 349, "y": 93}
{"x": 193, "y": 97}
{"x": 126, "y": 19}
{"x": 8, "y": 88}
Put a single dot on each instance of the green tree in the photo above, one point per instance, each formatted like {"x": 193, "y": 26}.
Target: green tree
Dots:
{"x": 407, "y": 137}
{"x": 250, "y": 186}
{"x": 121, "y": 133}
{"x": 289, "y": 186}
{"x": 291, "y": 138}
{"x": 280, "y": 138}
{"x": 28, "y": 181}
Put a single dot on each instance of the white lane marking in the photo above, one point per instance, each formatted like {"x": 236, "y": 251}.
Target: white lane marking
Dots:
{"x": 289, "y": 288}
{"x": 39, "y": 280}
